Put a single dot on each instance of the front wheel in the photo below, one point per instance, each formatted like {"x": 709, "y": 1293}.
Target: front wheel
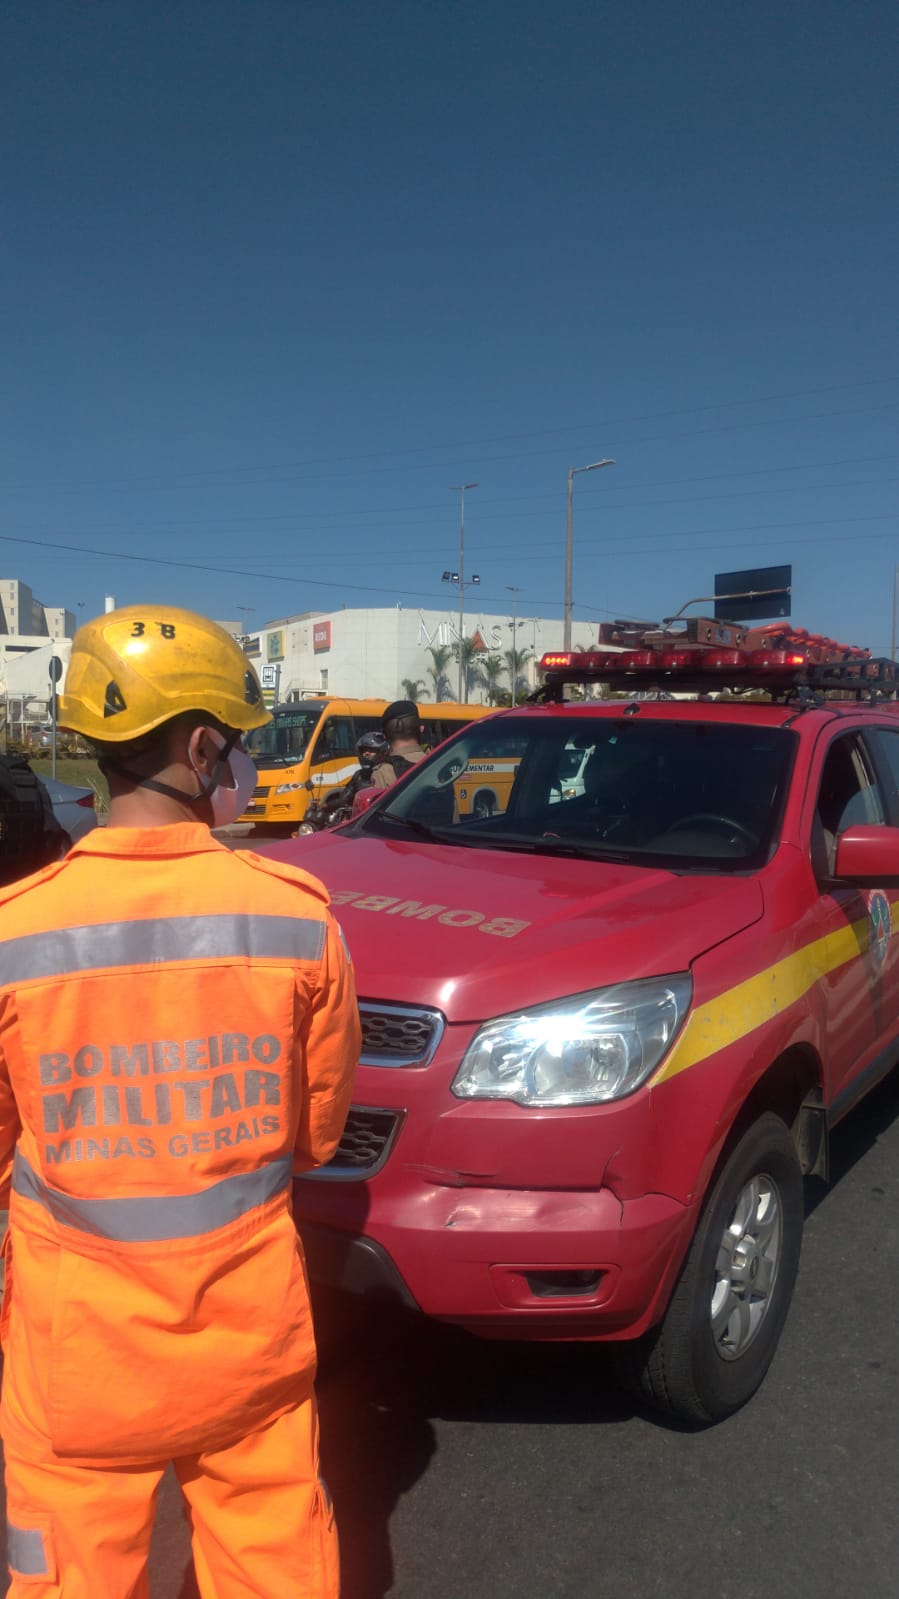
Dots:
{"x": 722, "y": 1326}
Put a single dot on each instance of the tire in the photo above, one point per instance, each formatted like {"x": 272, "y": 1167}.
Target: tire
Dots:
{"x": 709, "y": 1354}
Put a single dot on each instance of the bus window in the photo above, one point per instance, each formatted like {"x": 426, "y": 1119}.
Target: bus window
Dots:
{"x": 285, "y": 738}
{"x": 334, "y": 741}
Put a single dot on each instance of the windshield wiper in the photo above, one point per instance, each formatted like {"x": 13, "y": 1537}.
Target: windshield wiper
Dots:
{"x": 592, "y": 852}
{"x": 421, "y": 828}
{"x": 526, "y": 845}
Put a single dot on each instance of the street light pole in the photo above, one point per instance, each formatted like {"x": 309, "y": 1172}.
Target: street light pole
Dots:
{"x": 514, "y": 672}
{"x": 572, "y": 474}
{"x": 459, "y": 488}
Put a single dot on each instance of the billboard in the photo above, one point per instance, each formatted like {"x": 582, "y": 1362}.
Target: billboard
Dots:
{"x": 275, "y": 646}
{"x": 767, "y": 592}
{"x": 321, "y": 637}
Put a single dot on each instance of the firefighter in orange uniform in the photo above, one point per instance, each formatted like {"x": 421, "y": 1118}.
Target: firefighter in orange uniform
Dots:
{"x": 178, "y": 1035}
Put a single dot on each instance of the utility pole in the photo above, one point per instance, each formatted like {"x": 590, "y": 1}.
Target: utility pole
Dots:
{"x": 514, "y": 672}
{"x": 460, "y": 488}
{"x": 572, "y": 474}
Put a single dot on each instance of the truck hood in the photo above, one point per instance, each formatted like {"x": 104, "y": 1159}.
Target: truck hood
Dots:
{"x": 478, "y": 933}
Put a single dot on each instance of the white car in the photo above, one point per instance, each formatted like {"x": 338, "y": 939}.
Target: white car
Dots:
{"x": 73, "y": 807}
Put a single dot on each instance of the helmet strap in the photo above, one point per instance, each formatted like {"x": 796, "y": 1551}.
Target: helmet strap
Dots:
{"x": 218, "y": 771}
{"x": 168, "y": 789}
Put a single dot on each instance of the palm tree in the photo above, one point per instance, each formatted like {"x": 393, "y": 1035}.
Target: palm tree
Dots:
{"x": 466, "y": 650}
{"x": 441, "y": 655}
{"x": 492, "y": 669}
{"x": 414, "y": 688}
{"x": 516, "y": 660}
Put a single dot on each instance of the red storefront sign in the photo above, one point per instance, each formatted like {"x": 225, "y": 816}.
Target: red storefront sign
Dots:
{"x": 321, "y": 637}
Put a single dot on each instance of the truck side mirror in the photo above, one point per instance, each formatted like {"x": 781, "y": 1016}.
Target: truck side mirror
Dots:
{"x": 868, "y": 857}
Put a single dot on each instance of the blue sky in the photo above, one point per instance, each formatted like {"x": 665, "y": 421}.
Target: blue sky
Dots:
{"x": 276, "y": 274}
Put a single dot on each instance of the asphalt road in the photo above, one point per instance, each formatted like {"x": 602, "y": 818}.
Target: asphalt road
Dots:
{"x": 468, "y": 1470}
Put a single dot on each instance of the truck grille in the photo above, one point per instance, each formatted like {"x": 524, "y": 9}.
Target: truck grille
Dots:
{"x": 365, "y": 1145}
{"x": 399, "y": 1035}
{"x": 257, "y": 803}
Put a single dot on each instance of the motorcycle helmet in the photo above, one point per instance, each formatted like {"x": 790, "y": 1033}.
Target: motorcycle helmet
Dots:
{"x": 371, "y": 748}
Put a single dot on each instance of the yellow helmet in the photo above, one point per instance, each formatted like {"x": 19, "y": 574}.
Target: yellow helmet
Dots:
{"x": 135, "y": 668}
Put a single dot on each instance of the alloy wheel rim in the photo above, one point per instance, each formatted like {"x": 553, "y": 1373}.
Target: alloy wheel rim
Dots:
{"x": 746, "y": 1267}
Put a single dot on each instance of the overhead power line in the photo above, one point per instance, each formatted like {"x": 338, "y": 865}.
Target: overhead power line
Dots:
{"x": 498, "y": 601}
{"x": 251, "y": 521}
{"x": 293, "y": 470}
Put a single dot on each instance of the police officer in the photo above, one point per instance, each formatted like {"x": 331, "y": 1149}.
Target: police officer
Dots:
{"x": 401, "y": 726}
{"x": 178, "y": 1037}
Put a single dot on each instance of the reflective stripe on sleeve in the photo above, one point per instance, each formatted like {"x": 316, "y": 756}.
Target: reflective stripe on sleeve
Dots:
{"x": 25, "y": 1551}
{"x": 110, "y": 945}
{"x": 161, "y": 1217}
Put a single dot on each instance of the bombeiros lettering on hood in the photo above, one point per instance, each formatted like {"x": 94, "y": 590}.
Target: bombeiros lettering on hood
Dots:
{"x": 391, "y": 905}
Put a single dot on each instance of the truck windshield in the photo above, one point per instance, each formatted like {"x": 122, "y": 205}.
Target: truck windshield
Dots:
{"x": 680, "y": 794}
{"x": 285, "y": 738}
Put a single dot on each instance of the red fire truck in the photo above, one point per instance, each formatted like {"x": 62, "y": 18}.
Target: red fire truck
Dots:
{"x": 609, "y": 1025}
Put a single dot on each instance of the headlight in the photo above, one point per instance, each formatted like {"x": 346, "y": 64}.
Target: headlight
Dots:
{"x": 580, "y": 1051}
{"x": 288, "y": 788}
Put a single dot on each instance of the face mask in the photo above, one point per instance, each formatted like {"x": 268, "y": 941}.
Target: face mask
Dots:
{"x": 230, "y": 802}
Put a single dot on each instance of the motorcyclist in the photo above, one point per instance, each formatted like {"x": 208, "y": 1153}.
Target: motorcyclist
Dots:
{"x": 372, "y": 749}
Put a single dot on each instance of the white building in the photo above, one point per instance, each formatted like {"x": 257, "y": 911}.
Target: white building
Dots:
{"x": 25, "y": 623}
{"x": 30, "y": 633}
{"x": 370, "y": 653}
{"x": 357, "y": 653}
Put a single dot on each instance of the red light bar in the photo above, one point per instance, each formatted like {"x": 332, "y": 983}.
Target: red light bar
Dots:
{"x": 680, "y": 660}
{"x": 586, "y": 660}
{"x": 720, "y": 660}
{"x": 773, "y": 658}
{"x": 765, "y": 659}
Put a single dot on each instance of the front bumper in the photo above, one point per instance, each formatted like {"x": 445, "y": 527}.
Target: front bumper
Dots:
{"x": 510, "y": 1263}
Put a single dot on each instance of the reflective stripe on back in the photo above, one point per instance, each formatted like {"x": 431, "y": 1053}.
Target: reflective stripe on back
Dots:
{"x": 106, "y": 945}
{"x": 160, "y": 1217}
{"x": 25, "y": 1551}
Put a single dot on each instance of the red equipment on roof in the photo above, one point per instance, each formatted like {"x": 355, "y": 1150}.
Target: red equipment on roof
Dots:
{"x": 701, "y": 654}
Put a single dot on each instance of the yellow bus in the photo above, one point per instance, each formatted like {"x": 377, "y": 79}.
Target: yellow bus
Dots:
{"x": 482, "y": 787}
{"x": 309, "y": 749}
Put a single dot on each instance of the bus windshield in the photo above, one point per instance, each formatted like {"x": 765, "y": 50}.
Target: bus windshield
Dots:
{"x": 285, "y": 739}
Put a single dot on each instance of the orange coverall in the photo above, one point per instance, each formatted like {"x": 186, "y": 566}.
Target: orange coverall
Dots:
{"x": 178, "y": 1034}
